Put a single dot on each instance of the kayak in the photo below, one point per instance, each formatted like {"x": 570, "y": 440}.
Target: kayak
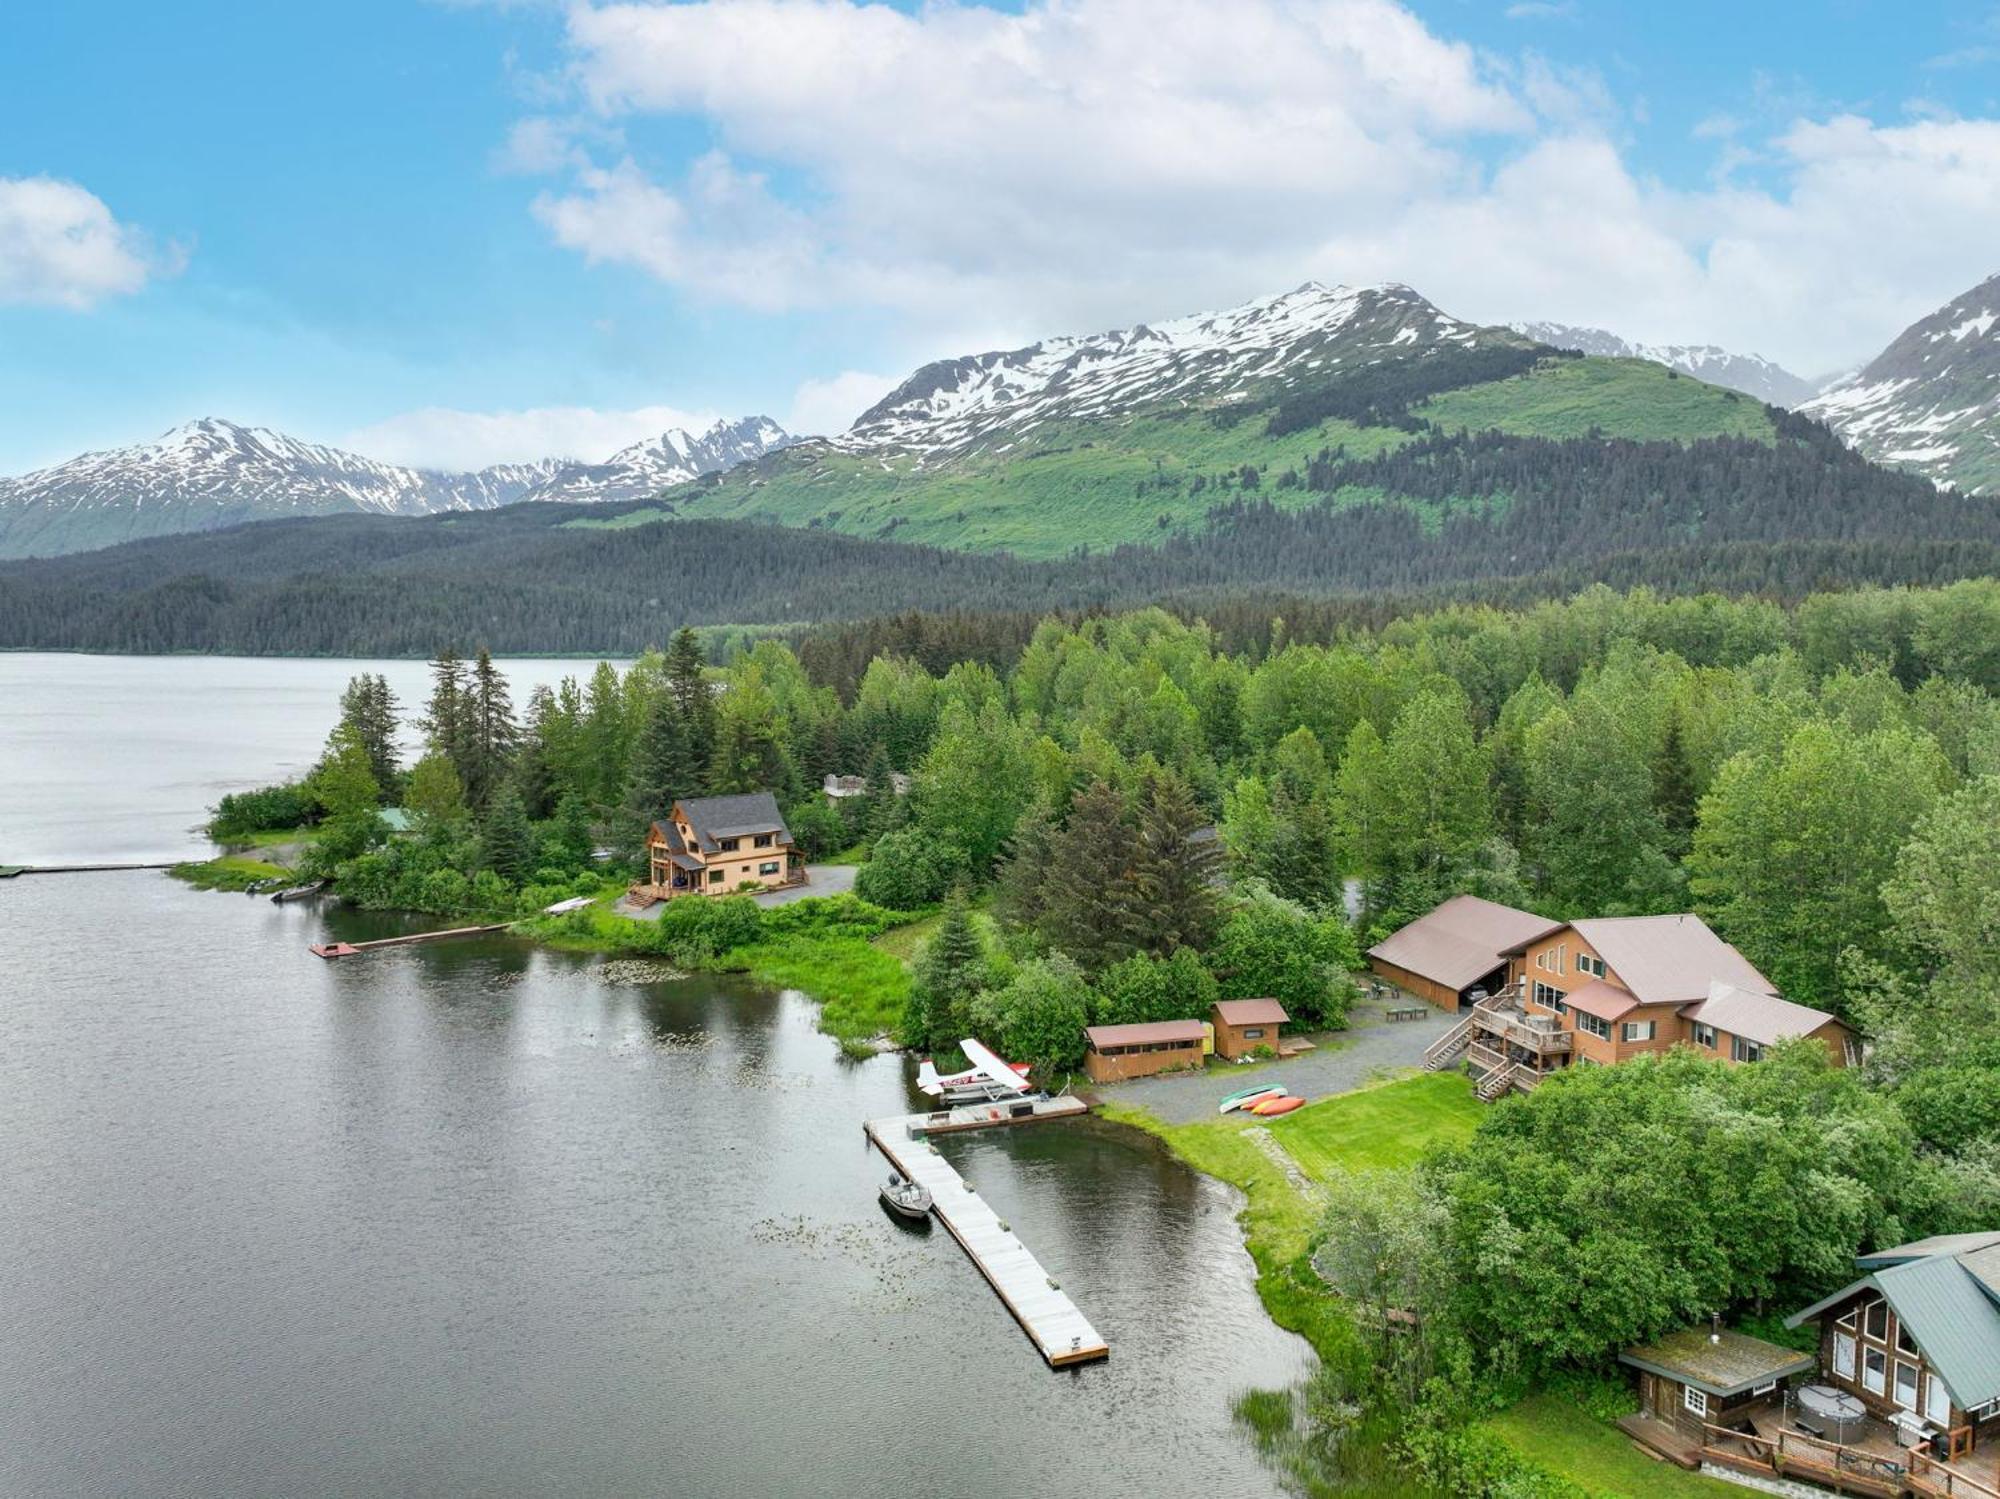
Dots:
{"x": 1246, "y": 1096}
{"x": 1266, "y": 1108}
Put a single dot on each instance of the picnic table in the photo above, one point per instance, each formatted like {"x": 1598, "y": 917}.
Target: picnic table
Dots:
{"x": 1410, "y": 1012}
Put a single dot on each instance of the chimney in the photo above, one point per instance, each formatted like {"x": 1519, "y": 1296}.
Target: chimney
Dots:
{"x": 1715, "y": 1327}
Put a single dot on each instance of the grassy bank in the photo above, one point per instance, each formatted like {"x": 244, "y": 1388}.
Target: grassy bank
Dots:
{"x": 230, "y": 872}
{"x": 1558, "y": 1437}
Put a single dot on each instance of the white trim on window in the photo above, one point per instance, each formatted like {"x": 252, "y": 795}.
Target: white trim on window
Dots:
{"x": 1937, "y": 1400}
{"x": 1695, "y": 1400}
{"x": 1843, "y": 1355}
{"x": 1874, "y": 1371}
{"x": 1904, "y": 1381}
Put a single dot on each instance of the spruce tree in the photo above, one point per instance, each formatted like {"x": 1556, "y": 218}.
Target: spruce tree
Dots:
{"x": 506, "y": 841}
{"x": 490, "y": 731}
{"x": 445, "y": 719}
{"x": 1020, "y": 892}
{"x": 665, "y": 767}
{"x": 1173, "y": 874}
{"x": 569, "y": 840}
{"x": 371, "y": 708}
{"x": 949, "y": 972}
{"x": 883, "y": 810}
{"x": 1090, "y": 905}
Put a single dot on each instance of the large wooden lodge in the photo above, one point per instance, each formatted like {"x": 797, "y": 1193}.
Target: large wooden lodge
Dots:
{"x": 717, "y": 845}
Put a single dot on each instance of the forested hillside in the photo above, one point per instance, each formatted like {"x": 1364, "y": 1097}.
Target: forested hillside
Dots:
{"x": 1486, "y": 515}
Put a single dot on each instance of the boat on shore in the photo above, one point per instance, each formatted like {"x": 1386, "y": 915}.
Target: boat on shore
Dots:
{"x": 298, "y": 892}
{"x": 1244, "y": 1097}
{"x": 907, "y": 1199}
{"x": 1276, "y": 1104}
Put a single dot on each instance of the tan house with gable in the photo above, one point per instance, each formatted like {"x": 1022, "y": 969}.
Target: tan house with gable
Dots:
{"x": 1606, "y": 989}
{"x": 715, "y": 845}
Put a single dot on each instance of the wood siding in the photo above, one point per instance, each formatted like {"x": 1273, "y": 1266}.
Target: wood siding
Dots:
{"x": 1119, "y": 1063}
{"x": 1425, "y": 989}
{"x": 1233, "y": 1041}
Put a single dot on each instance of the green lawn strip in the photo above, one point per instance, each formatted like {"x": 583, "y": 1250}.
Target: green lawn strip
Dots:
{"x": 1385, "y": 1126}
{"x": 1559, "y": 1436}
{"x": 267, "y": 838}
{"x": 229, "y": 872}
{"x": 861, "y": 989}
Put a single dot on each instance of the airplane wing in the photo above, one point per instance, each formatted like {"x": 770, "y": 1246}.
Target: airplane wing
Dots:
{"x": 990, "y": 1067}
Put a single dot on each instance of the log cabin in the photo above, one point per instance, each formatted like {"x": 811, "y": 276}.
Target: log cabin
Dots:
{"x": 716, "y": 845}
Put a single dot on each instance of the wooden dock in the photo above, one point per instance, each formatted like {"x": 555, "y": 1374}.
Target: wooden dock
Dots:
{"x": 351, "y": 949}
{"x": 10, "y": 871}
{"x": 1049, "y": 1318}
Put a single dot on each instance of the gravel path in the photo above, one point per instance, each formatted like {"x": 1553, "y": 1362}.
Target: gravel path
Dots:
{"x": 823, "y": 879}
{"x": 1344, "y": 1061}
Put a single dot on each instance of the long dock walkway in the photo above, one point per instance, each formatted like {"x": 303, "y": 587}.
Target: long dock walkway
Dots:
{"x": 1050, "y": 1319}
{"x": 10, "y": 871}
{"x": 350, "y": 949}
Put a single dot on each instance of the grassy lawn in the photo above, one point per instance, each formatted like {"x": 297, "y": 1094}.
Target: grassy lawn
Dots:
{"x": 904, "y": 942}
{"x": 227, "y": 873}
{"x": 861, "y": 988}
{"x": 1558, "y": 1436}
{"x": 268, "y": 838}
{"x": 1379, "y": 1128}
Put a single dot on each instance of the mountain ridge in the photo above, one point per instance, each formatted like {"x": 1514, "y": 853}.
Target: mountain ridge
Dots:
{"x": 1750, "y": 374}
{"x": 211, "y": 473}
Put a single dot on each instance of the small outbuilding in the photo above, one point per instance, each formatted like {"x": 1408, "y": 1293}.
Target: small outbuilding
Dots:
{"x": 1696, "y": 1378}
{"x": 1113, "y": 1053}
{"x": 1243, "y": 1025}
{"x": 1460, "y": 946}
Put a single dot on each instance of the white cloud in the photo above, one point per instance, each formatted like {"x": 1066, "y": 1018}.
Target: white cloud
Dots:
{"x": 442, "y": 438}
{"x": 823, "y": 408}
{"x": 60, "y": 246}
{"x": 989, "y": 177}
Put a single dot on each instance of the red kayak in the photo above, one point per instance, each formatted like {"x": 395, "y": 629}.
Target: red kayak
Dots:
{"x": 1266, "y": 1107}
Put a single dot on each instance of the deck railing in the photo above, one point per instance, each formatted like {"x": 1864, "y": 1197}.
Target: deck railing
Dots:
{"x": 1928, "y": 1475}
{"x": 1795, "y": 1452}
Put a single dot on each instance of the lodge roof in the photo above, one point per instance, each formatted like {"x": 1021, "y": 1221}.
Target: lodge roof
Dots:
{"x": 1144, "y": 1033}
{"x": 714, "y": 818}
{"x": 1604, "y": 1000}
{"x": 1666, "y": 960}
{"x": 1763, "y": 1018}
{"x": 1724, "y": 1364}
{"x": 1462, "y": 940}
{"x": 1946, "y": 1294}
{"x": 1250, "y": 1012}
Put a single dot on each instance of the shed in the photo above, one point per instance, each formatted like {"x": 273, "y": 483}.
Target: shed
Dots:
{"x": 1695, "y": 1378}
{"x": 1113, "y": 1053}
{"x": 1460, "y": 946}
{"x": 1243, "y": 1025}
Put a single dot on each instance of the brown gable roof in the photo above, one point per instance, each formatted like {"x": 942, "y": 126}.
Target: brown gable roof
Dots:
{"x": 1461, "y": 941}
{"x": 1763, "y": 1018}
{"x": 1250, "y": 1012}
{"x": 1668, "y": 960}
{"x": 1604, "y": 1000}
{"x": 1145, "y": 1033}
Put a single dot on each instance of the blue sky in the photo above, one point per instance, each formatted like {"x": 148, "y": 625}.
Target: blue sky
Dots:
{"x": 449, "y": 233}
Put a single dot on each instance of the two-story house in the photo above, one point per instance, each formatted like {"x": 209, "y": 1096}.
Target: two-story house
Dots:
{"x": 714, "y": 845}
{"x": 1606, "y": 989}
{"x": 1917, "y": 1338}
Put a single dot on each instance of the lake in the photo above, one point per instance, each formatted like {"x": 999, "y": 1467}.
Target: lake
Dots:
{"x": 481, "y": 1219}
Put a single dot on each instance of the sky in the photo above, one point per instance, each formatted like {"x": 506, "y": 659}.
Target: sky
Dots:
{"x": 447, "y": 233}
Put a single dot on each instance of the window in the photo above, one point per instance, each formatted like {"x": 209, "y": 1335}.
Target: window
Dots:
{"x": 1843, "y": 1356}
{"x": 1253, "y": 1033}
{"x": 715, "y": 877}
{"x": 1639, "y": 1030}
{"x": 1592, "y": 966}
{"x": 1906, "y": 1385}
{"x": 1704, "y": 1035}
{"x": 1745, "y": 1051}
{"x": 728, "y": 845}
{"x": 1562, "y": 951}
{"x": 1875, "y": 1321}
{"x": 1874, "y": 1370}
{"x": 1549, "y": 997}
{"x": 772, "y": 867}
{"x": 762, "y": 840}
{"x": 1937, "y": 1401}
{"x": 1542, "y": 961}
{"x": 1695, "y": 1400}
{"x": 1596, "y": 1027}
{"x": 1904, "y": 1342}
{"x": 1765, "y": 1389}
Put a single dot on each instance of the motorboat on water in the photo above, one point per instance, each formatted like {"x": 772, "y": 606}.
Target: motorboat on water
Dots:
{"x": 907, "y": 1198}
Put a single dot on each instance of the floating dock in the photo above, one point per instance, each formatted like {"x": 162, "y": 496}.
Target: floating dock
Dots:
{"x": 9, "y": 871}
{"x": 351, "y": 949}
{"x": 1062, "y": 1333}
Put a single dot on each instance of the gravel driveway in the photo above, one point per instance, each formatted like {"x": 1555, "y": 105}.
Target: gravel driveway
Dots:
{"x": 1344, "y": 1060}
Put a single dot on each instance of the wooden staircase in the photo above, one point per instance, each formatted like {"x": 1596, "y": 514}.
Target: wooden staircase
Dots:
{"x": 1448, "y": 1048}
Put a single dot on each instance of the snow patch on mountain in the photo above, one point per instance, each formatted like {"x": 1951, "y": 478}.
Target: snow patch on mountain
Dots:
{"x": 645, "y": 468}
{"x": 1208, "y": 358}
{"x": 1752, "y": 374}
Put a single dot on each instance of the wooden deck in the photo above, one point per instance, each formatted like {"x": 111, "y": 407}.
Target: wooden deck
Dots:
{"x": 1051, "y": 1320}
{"x": 1871, "y": 1463}
{"x": 351, "y": 949}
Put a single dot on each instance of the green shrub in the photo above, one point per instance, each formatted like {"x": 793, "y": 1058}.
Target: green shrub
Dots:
{"x": 242, "y": 813}
{"x": 908, "y": 870}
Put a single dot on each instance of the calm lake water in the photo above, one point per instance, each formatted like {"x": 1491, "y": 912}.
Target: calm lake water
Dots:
{"x": 479, "y": 1219}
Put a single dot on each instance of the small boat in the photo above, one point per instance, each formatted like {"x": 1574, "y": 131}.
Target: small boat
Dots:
{"x": 907, "y": 1198}
{"x": 299, "y": 892}
{"x": 1244, "y": 1097}
{"x": 1282, "y": 1104}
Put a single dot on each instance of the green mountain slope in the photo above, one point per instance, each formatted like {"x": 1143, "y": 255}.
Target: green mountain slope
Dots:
{"x": 1143, "y": 475}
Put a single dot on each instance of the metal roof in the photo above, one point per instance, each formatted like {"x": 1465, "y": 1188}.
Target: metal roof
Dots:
{"x": 1668, "y": 960}
{"x": 1763, "y": 1018}
{"x": 1924, "y": 1248}
{"x": 1945, "y": 1306}
{"x": 1145, "y": 1033}
{"x": 1250, "y": 1012}
{"x": 1730, "y": 1364}
{"x": 1461, "y": 941}
{"x": 1604, "y": 1000}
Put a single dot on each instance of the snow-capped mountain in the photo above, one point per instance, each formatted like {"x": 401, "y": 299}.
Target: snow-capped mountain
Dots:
{"x": 674, "y": 457}
{"x": 1204, "y": 359}
{"x": 1752, "y": 374}
{"x": 1931, "y": 400}
{"x": 213, "y": 473}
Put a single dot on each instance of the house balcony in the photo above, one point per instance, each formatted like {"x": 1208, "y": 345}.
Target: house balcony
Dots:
{"x": 1768, "y": 1440}
{"x": 1509, "y": 1024}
